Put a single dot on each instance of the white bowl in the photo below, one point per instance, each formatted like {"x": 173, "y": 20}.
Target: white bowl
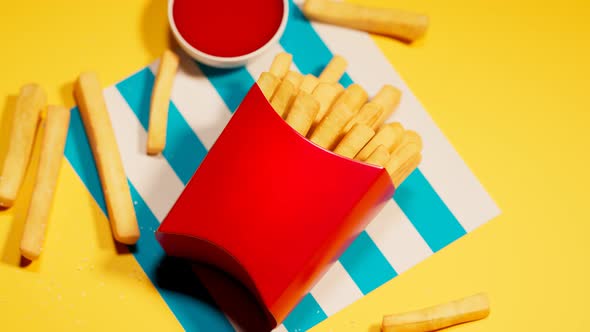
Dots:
{"x": 226, "y": 62}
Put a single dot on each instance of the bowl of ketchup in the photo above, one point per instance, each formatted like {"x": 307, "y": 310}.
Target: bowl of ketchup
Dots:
{"x": 227, "y": 33}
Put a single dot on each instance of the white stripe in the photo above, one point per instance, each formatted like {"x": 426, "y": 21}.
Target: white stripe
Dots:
{"x": 397, "y": 239}
{"x": 442, "y": 165}
{"x": 153, "y": 178}
{"x": 262, "y": 63}
{"x": 335, "y": 290}
{"x": 198, "y": 101}
{"x": 280, "y": 328}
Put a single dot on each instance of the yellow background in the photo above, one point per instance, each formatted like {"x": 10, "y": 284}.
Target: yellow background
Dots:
{"x": 506, "y": 80}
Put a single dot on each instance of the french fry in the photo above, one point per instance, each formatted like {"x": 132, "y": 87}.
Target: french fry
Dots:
{"x": 156, "y": 140}
{"x": 401, "y": 161}
{"x": 389, "y": 22}
{"x": 354, "y": 96}
{"x": 368, "y": 115}
{"x": 434, "y": 318}
{"x": 388, "y": 97}
{"x": 52, "y": 149}
{"x": 309, "y": 83}
{"x": 29, "y": 104}
{"x": 379, "y": 157}
{"x": 329, "y": 131}
{"x": 268, "y": 84}
{"x": 408, "y": 136}
{"x": 326, "y": 94}
{"x": 303, "y": 112}
{"x": 294, "y": 77}
{"x": 334, "y": 70}
{"x": 400, "y": 176}
{"x": 88, "y": 93}
{"x": 354, "y": 140}
{"x": 388, "y": 135}
{"x": 281, "y": 64}
{"x": 283, "y": 97}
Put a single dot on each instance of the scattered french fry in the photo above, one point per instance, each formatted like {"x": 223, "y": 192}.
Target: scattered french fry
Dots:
{"x": 295, "y": 78}
{"x": 368, "y": 115}
{"x": 281, "y": 64}
{"x": 268, "y": 84}
{"x": 438, "y": 317}
{"x": 52, "y": 149}
{"x": 329, "y": 131}
{"x": 354, "y": 140}
{"x": 354, "y": 96}
{"x": 29, "y": 104}
{"x": 379, "y": 157}
{"x": 88, "y": 93}
{"x": 326, "y": 94}
{"x": 303, "y": 112}
{"x": 388, "y": 97}
{"x": 334, "y": 70}
{"x": 408, "y": 136}
{"x": 388, "y": 135}
{"x": 309, "y": 83}
{"x": 156, "y": 140}
{"x": 284, "y": 97}
{"x": 389, "y": 22}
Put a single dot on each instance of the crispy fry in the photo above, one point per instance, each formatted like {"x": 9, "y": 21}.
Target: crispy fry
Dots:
{"x": 326, "y": 94}
{"x": 309, "y": 83}
{"x": 295, "y": 78}
{"x": 303, "y": 112}
{"x": 156, "y": 140}
{"x": 354, "y": 140}
{"x": 354, "y": 96}
{"x": 468, "y": 309}
{"x": 52, "y": 150}
{"x": 379, "y": 157}
{"x": 268, "y": 84}
{"x": 283, "y": 97}
{"x": 334, "y": 70}
{"x": 281, "y": 64}
{"x": 329, "y": 131}
{"x": 401, "y": 162}
{"x": 388, "y": 97}
{"x": 389, "y": 22}
{"x": 29, "y": 105}
{"x": 368, "y": 115}
{"x": 388, "y": 135}
{"x": 400, "y": 176}
{"x": 99, "y": 130}
{"x": 408, "y": 136}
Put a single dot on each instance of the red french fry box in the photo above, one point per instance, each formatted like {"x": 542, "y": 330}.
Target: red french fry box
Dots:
{"x": 271, "y": 208}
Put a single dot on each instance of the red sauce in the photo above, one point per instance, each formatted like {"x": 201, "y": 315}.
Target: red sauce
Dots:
{"x": 227, "y": 28}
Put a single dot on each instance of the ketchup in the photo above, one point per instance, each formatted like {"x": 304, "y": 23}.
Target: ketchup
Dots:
{"x": 227, "y": 28}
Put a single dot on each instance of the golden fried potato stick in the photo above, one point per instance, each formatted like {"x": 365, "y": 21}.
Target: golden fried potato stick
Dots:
{"x": 354, "y": 140}
{"x": 309, "y": 83}
{"x": 303, "y": 112}
{"x": 368, "y": 115}
{"x": 329, "y": 131}
{"x": 268, "y": 84}
{"x": 388, "y": 97}
{"x": 88, "y": 93}
{"x": 379, "y": 157}
{"x": 57, "y": 122}
{"x": 388, "y": 22}
{"x": 156, "y": 140}
{"x": 408, "y": 136}
{"x": 284, "y": 97}
{"x": 281, "y": 64}
{"x": 468, "y": 309}
{"x": 334, "y": 70}
{"x": 400, "y": 176}
{"x": 326, "y": 94}
{"x": 29, "y": 104}
{"x": 388, "y": 135}
{"x": 294, "y": 77}
{"x": 401, "y": 163}
{"x": 354, "y": 96}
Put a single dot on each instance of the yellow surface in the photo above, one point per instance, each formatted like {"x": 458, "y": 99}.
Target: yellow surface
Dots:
{"x": 506, "y": 80}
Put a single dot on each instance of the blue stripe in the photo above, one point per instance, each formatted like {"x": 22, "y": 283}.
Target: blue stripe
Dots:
{"x": 187, "y": 298}
{"x": 366, "y": 264}
{"x": 231, "y": 84}
{"x": 184, "y": 151}
{"x": 306, "y": 315}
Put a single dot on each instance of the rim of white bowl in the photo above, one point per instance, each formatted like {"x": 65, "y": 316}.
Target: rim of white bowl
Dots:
{"x": 234, "y": 59}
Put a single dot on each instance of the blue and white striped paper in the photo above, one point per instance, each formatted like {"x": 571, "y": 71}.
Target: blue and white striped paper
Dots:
{"x": 436, "y": 205}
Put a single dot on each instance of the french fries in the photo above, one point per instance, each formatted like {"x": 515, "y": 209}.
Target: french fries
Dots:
{"x": 309, "y": 83}
{"x": 388, "y": 136}
{"x": 295, "y": 78}
{"x": 329, "y": 131}
{"x": 354, "y": 96}
{"x": 88, "y": 93}
{"x": 369, "y": 114}
{"x": 407, "y": 137}
{"x": 52, "y": 150}
{"x": 434, "y": 318}
{"x": 281, "y": 64}
{"x": 354, "y": 140}
{"x": 268, "y": 84}
{"x": 326, "y": 94}
{"x": 283, "y": 98}
{"x": 379, "y": 157}
{"x": 303, "y": 113}
{"x": 403, "y": 162}
{"x": 334, "y": 70}
{"x": 388, "y": 97}
{"x": 29, "y": 105}
{"x": 389, "y": 22}
{"x": 156, "y": 139}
